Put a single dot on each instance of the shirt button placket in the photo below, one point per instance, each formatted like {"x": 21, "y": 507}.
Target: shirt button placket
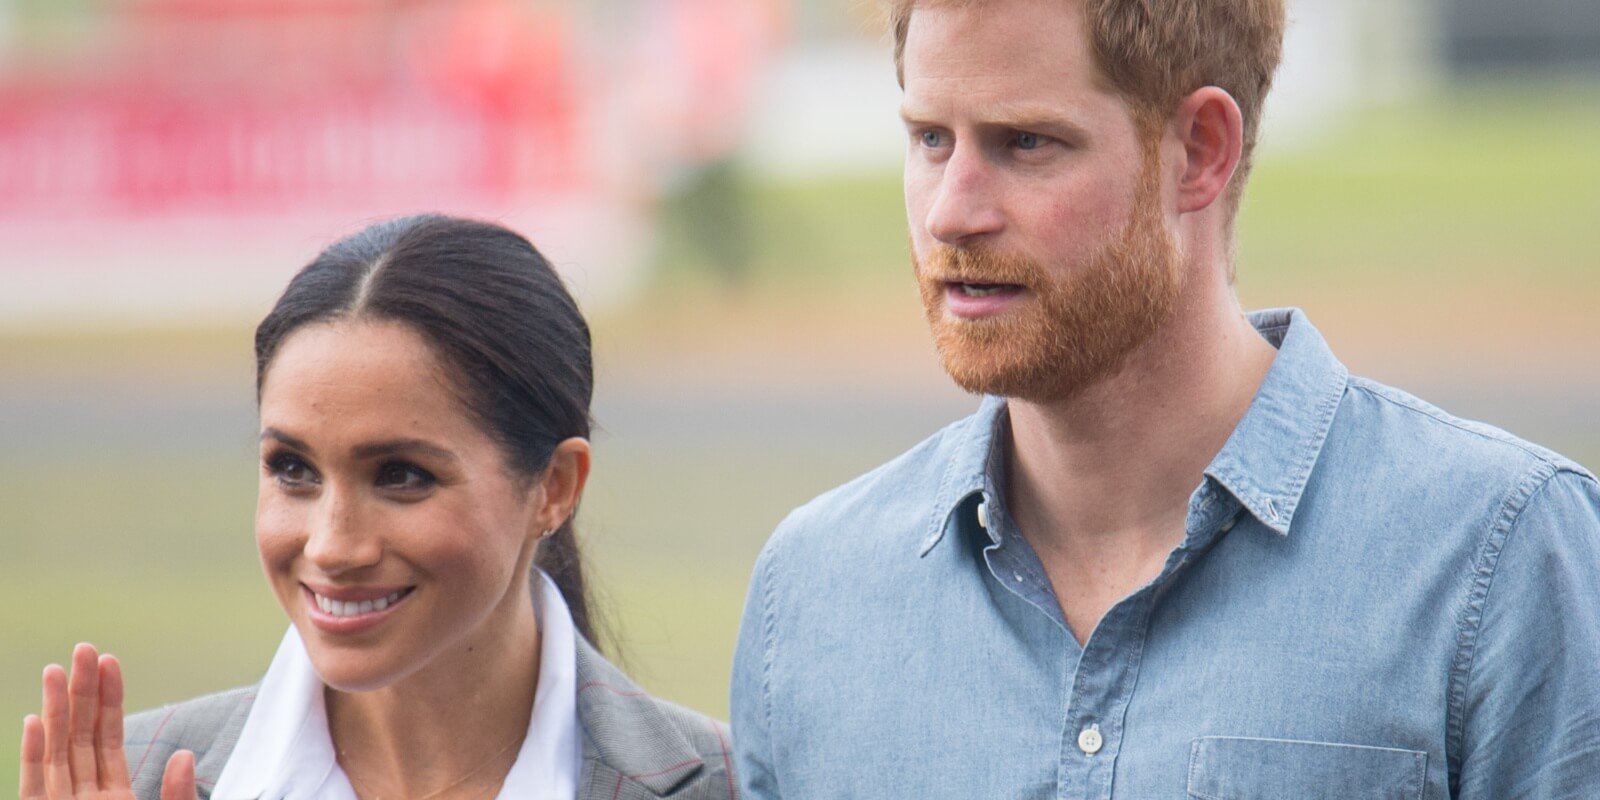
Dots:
{"x": 1103, "y": 685}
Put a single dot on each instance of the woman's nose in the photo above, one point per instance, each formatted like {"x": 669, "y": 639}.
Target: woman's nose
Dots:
{"x": 338, "y": 538}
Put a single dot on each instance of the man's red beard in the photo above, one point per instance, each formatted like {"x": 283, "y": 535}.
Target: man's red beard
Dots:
{"x": 1076, "y": 329}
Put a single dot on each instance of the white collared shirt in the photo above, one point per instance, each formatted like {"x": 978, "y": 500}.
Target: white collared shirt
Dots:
{"x": 286, "y": 753}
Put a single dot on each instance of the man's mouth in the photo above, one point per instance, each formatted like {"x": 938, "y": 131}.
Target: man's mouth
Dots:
{"x": 971, "y": 300}
{"x": 983, "y": 289}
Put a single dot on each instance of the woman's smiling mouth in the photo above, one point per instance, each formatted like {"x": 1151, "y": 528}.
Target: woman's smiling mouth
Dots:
{"x": 351, "y": 610}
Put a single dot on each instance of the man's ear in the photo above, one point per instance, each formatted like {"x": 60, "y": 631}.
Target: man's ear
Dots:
{"x": 560, "y": 486}
{"x": 1210, "y": 127}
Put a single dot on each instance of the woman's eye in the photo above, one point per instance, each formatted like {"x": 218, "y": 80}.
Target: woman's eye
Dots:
{"x": 291, "y": 472}
{"x": 404, "y": 476}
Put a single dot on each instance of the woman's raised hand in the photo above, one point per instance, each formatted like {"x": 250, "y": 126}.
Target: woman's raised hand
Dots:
{"x": 75, "y": 751}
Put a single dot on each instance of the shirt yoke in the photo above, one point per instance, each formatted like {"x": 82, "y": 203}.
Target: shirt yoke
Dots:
{"x": 1492, "y": 440}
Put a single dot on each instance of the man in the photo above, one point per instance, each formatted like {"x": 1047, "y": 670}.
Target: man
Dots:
{"x": 1178, "y": 551}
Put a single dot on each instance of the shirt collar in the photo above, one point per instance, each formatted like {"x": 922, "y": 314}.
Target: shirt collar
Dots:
{"x": 968, "y": 471}
{"x": 551, "y": 758}
{"x": 285, "y": 749}
{"x": 1264, "y": 464}
{"x": 285, "y": 739}
{"x": 1268, "y": 459}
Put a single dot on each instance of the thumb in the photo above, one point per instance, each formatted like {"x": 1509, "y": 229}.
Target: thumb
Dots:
{"x": 177, "y": 783}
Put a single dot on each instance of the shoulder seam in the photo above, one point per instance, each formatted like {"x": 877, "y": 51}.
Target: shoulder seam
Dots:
{"x": 1480, "y": 430}
{"x": 768, "y": 629}
{"x": 1470, "y": 620}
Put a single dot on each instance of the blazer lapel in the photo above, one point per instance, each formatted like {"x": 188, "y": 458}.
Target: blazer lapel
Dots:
{"x": 208, "y": 765}
{"x": 628, "y": 743}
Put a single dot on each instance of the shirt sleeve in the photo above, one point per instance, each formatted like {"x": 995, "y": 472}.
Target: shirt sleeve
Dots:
{"x": 1531, "y": 709}
{"x": 750, "y": 703}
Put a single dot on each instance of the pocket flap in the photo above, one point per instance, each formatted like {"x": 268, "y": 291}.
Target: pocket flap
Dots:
{"x": 1239, "y": 768}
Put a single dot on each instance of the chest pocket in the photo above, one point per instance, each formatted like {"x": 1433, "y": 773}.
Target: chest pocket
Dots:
{"x": 1237, "y": 768}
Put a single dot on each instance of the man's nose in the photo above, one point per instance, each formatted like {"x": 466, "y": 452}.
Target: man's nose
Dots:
{"x": 338, "y": 539}
{"x": 965, "y": 207}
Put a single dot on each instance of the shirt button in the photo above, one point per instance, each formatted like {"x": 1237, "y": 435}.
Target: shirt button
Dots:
{"x": 1089, "y": 741}
{"x": 983, "y": 515}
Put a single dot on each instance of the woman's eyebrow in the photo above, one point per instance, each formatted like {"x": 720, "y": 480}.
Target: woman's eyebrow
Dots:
{"x": 274, "y": 433}
{"x": 371, "y": 450}
{"x": 399, "y": 447}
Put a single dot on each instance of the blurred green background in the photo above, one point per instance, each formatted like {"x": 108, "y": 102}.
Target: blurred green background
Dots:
{"x": 1450, "y": 246}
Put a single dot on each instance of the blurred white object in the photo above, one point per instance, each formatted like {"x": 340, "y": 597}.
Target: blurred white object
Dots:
{"x": 827, "y": 108}
{"x": 1343, "y": 55}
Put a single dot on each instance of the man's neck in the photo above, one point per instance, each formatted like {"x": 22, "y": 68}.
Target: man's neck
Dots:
{"x": 1099, "y": 484}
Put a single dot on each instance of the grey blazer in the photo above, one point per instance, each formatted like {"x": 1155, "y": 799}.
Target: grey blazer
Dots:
{"x": 635, "y": 747}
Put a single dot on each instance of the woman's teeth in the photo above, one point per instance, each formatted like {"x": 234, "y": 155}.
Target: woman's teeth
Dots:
{"x": 351, "y": 608}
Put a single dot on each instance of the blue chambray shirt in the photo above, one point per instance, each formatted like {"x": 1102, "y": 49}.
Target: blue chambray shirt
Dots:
{"x": 1373, "y": 599}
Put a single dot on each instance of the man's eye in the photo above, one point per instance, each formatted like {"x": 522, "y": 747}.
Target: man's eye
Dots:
{"x": 1029, "y": 141}
{"x": 932, "y": 139}
{"x": 404, "y": 476}
{"x": 291, "y": 472}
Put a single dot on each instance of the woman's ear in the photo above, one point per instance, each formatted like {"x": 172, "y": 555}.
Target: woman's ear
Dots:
{"x": 561, "y": 485}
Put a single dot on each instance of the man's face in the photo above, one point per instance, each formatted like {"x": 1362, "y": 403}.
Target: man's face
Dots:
{"x": 1035, "y": 207}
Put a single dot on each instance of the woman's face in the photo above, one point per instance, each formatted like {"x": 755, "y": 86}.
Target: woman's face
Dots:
{"x": 390, "y": 528}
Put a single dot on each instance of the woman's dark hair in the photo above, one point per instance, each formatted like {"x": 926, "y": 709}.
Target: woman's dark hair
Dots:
{"x": 495, "y": 313}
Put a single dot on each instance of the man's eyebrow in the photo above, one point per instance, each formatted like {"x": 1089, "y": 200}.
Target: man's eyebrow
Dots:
{"x": 1046, "y": 122}
{"x": 1029, "y": 117}
{"x": 1020, "y": 117}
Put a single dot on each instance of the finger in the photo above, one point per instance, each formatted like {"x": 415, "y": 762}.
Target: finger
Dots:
{"x": 83, "y": 703}
{"x": 177, "y": 782}
{"x": 113, "y": 764}
{"x": 57, "y": 772}
{"x": 31, "y": 784}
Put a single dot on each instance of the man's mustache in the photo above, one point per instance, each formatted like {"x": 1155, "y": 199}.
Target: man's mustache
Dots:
{"x": 946, "y": 264}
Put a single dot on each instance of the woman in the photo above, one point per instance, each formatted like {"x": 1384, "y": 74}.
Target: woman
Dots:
{"x": 424, "y": 392}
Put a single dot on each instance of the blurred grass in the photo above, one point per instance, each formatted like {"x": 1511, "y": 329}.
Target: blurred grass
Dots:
{"x": 1491, "y": 180}
{"x": 115, "y": 530}
{"x": 1501, "y": 182}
